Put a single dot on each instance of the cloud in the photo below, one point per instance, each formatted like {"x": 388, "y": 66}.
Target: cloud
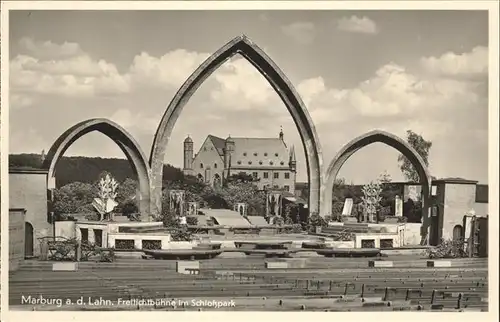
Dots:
{"x": 170, "y": 70}
{"x": 239, "y": 86}
{"x": 474, "y": 63}
{"x": 302, "y": 32}
{"x": 392, "y": 92}
{"x": 48, "y": 49}
{"x": 134, "y": 120}
{"x": 358, "y": 25}
{"x": 77, "y": 76}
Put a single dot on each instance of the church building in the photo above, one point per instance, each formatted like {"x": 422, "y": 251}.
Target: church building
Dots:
{"x": 266, "y": 159}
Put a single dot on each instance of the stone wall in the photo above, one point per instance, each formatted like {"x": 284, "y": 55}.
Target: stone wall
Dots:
{"x": 16, "y": 238}
{"x": 458, "y": 200}
{"x": 28, "y": 190}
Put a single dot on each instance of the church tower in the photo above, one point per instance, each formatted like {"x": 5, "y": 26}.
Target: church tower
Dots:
{"x": 188, "y": 155}
{"x": 292, "y": 160}
{"x": 228, "y": 152}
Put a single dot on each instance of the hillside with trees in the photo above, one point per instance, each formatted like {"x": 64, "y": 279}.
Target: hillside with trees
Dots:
{"x": 87, "y": 169}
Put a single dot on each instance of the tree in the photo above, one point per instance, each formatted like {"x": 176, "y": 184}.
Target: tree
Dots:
{"x": 241, "y": 177}
{"x": 73, "y": 198}
{"x": 422, "y": 147}
{"x": 385, "y": 177}
{"x": 247, "y": 193}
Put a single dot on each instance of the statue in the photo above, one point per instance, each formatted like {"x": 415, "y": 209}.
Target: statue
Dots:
{"x": 371, "y": 200}
{"x": 273, "y": 204}
{"x": 176, "y": 202}
{"x": 106, "y": 203}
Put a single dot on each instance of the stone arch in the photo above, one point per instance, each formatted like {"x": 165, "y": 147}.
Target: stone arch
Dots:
{"x": 397, "y": 143}
{"x": 124, "y": 141}
{"x": 283, "y": 87}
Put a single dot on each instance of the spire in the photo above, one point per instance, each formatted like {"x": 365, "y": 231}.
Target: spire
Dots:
{"x": 292, "y": 154}
{"x": 281, "y": 133}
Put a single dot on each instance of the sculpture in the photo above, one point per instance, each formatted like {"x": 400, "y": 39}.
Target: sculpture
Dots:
{"x": 371, "y": 200}
{"x": 273, "y": 204}
{"x": 106, "y": 203}
{"x": 176, "y": 203}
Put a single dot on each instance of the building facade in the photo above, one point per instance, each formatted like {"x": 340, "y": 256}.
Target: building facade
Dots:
{"x": 266, "y": 159}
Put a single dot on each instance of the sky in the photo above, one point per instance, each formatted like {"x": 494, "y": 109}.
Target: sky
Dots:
{"x": 356, "y": 71}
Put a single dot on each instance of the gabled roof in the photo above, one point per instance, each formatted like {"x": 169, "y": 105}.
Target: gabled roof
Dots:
{"x": 255, "y": 152}
{"x": 219, "y": 143}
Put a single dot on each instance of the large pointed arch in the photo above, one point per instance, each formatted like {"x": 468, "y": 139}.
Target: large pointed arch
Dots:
{"x": 397, "y": 143}
{"x": 283, "y": 87}
{"x": 121, "y": 137}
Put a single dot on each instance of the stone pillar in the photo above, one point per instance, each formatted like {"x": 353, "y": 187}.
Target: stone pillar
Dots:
{"x": 398, "y": 207}
{"x": 91, "y": 236}
{"x": 241, "y": 208}
{"x": 137, "y": 243}
{"x": 78, "y": 233}
{"x": 192, "y": 208}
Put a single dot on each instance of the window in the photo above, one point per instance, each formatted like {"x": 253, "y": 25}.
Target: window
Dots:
{"x": 276, "y": 175}
{"x": 282, "y": 163}
{"x": 239, "y": 162}
{"x": 201, "y": 165}
{"x": 271, "y": 162}
{"x": 249, "y": 162}
{"x": 244, "y": 154}
{"x": 260, "y": 162}
{"x": 265, "y": 154}
{"x": 276, "y": 186}
{"x": 255, "y": 175}
{"x": 255, "y": 154}
{"x": 287, "y": 175}
{"x": 215, "y": 165}
{"x": 276, "y": 154}
{"x": 287, "y": 188}
{"x": 266, "y": 175}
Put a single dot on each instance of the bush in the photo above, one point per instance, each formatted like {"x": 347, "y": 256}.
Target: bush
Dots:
{"x": 447, "y": 249}
{"x": 344, "y": 235}
{"x": 181, "y": 234}
{"x": 192, "y": 221}
{"x": 316, "y": 221}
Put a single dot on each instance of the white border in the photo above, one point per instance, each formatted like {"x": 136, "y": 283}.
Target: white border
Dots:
{"x": 493, "y": 8}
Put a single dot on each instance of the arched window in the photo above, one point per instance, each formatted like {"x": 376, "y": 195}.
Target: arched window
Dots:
{"x": 215, "y": 165}
{"x": 201, "y": 165}
{"x": 458, "y": 232}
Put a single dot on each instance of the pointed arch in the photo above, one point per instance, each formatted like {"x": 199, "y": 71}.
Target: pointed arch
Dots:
{"x": 280, "y": 83}
{"x": 391, "y": 140}
{"x": 125, "y": 142}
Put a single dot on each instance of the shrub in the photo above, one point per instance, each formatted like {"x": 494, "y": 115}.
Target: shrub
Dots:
{"x": 192, "y": 221}
{"x": 447, "y": 249}
{"x": 62, "y": 249}
{"x": 344, "y": 235}
{"x": 181, "y": 234}
{"x": 316, "y": 221}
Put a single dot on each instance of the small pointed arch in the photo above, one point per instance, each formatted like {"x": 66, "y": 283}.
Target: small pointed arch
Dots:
{"x": 282, "y": 86}
{"x": 121, "y": 137}
{"x": 393, "y": 141}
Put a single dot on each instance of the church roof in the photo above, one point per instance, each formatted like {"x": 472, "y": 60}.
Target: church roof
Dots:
{"x": 255, "y": 152}
{"x": 219, "y": 143}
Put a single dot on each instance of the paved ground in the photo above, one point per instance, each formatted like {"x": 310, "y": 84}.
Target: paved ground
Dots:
{"x": 333, "y": 284}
